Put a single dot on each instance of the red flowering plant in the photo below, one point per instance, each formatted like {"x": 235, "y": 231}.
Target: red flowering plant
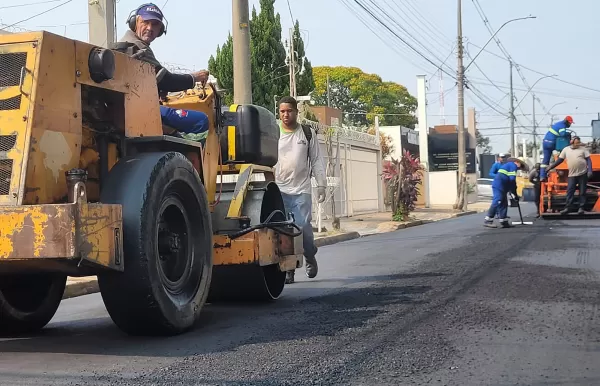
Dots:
{"x": 401, "y": 178}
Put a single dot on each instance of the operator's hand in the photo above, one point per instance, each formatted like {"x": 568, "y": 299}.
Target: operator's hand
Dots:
{"x": 201, "y": 76}
{"x": 590, "y": 174}
{"x": 321, "y": 194}
{"x": 516, "y": 196}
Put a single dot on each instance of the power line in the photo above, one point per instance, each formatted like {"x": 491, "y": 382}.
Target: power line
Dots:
{"x": 39, "y": 14}
{"x": 400, "y": 50}
{"x": 290, "y": 8}
{"x": 29, "y": 4}
{"x": 378, "y": 20}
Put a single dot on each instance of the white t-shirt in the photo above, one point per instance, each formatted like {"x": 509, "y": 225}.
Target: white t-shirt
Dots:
{"x": 295, "y": 167}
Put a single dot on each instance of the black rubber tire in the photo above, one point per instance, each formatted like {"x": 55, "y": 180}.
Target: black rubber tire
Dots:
{"x": 28, "y": 302}
{"x": 144, "y": 300}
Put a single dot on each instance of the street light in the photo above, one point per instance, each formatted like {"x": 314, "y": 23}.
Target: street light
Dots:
{"x": 532, "y": 86}
{"x": 550, "y": 109}
{"x": 494, "y": 35}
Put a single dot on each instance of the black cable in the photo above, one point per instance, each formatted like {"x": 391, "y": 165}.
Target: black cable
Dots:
{"x": 39, "y": 14}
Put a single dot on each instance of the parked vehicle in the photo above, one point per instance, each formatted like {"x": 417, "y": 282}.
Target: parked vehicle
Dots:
{"x": 484, "y": 187}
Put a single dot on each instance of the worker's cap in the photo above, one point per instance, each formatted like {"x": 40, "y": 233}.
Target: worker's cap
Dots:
{"x": 502, "y": 155}
{"x": 569, "y": 119}
{"x": 150, "y": 12}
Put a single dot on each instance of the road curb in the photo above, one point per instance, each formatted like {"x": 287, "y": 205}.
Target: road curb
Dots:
{"x": 467, "y": 213}
{"x": 334, "y": 239}
{"x": 81, "y": 288}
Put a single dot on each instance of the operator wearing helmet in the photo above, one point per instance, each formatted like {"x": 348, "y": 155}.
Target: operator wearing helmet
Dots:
{"x": 145, "y": 25}
{"x": 559, "y": 129}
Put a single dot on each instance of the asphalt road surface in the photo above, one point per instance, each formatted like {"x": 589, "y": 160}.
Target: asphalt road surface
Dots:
{"x": 448, "y": 303}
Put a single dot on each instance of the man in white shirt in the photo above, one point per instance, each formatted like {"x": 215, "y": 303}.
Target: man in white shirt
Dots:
{"x": 580, "y": 169}
{"x": 299, "y": 160}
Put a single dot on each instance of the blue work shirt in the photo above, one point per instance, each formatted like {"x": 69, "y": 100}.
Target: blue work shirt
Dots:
{"x": 506, "y": 178}
{"x": 559, "y": 129}
{"x": 494, "y": 169}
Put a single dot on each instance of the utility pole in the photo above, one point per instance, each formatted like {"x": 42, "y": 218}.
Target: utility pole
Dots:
{"x": 292, "y": 65}
{"x": 102, "y": 22}
{"x": 535, "y": 149}
{"x": 242, "y": 81}
{"x": 462, "y": 161}
{"x": 328, "y": 93}
{"x": 512, "y": 114}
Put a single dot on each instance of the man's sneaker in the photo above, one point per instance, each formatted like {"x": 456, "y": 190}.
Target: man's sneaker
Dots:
{"x": 581, "y": 211}
{"x": 564, "y": 211}
{"x": 311, "y": 267}
{"x": 289, "y": 277}
{"x": 505, "y": 223}
{"x": 489, "y": 223}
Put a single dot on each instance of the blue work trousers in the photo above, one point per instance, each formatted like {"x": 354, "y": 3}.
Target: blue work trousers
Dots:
{"x": 300, "y": 205}
{"x": 547, "y": 147}
{"x": 185, "y": 121}
{"x": 499, "y": 204}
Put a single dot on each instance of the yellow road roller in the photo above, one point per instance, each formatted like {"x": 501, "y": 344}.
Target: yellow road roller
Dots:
{"x": 92, "y": 183}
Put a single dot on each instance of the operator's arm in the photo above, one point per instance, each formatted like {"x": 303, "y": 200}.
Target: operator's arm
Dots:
{"x": 512, "y": 178}
{"x": 588, "y": 161}
{"x": 560, "y": 160}
{"x": 561, "y": 128}
{"x": 494, "y": 170}
{"x": 533, "y": 175}
{"x": 169, "y": 82}
{"x": 317, "y": 162}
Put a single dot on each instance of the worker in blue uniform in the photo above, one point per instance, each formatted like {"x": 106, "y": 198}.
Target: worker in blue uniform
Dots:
{"x": 496, "y": 166}
{"x": 505, "y": 182}
{"x": 558, "y": 129}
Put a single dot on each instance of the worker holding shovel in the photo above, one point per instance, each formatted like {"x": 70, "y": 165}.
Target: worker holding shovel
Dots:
{"x": 505, "y": 182}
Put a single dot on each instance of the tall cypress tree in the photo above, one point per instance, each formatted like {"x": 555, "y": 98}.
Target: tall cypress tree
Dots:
{"x": 270, "y": 73}
{"x": 305, "y": 82}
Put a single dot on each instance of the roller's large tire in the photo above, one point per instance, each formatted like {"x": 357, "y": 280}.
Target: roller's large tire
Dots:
{"x": 167, "y": 277}
{"x": 28, "y": 302}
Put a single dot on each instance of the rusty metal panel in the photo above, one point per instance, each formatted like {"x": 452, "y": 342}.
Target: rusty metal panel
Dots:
{"x": 243, "y": 250}
{"x": 81, "y": 233}
{"x": 17, "y": 66}
{"x": 101, "y": 236}
{"x": 56, "y": 124}
{"x": 37, "y": 231}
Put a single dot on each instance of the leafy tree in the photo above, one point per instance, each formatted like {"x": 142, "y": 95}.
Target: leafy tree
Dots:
{"x": 483, "y": 142}
{"x": 387, "y": 145}
{"x": 356, "y": 92}
{"x": 268, "y": 60}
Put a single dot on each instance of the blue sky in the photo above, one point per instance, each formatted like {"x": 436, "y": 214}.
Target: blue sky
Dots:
{"x": 562, "y": 40}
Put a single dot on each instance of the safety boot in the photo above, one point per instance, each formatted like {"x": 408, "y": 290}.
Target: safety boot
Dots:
{"x": 564, "y": 211}
{"x": 489, "y": 222}
{"x": 289, "y": 277}
{"x": 505, "y": 223}
{"x": 311, "y": 267}
{"x": 580, "y": 211}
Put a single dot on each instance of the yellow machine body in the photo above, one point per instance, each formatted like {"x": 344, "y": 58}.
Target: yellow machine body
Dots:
{"x": 51, "y": 224}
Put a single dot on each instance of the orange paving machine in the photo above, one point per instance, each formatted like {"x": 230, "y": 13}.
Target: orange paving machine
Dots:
{"x": 554, "y": 191}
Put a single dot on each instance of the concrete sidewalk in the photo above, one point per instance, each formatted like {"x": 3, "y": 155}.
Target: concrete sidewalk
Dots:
{"x": 351, "y": 228}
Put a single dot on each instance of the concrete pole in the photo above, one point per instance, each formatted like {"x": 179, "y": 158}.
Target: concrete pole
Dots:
{"x": 423, "y": 137}
{"x": 524, "y": 147}
{"x": 380, "y": 204}
{"x": 101, "y": 17}
{"x": 242, "y": 82}
{"x": 535, "y": 149}
{"x": 513, "y": 149}
{"x": 462, "y": 161}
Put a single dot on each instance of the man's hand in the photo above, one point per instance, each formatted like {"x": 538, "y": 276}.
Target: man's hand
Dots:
{"x": 321, "y": 194}
{"x": 590, "y": 174}
{"x": 201, "y": 76}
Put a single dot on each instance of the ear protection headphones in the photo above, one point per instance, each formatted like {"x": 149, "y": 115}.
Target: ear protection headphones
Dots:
{"x": 133, "y": 16}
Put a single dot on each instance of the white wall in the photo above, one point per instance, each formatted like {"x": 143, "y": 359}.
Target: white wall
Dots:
{"x": 443, "y": 188}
